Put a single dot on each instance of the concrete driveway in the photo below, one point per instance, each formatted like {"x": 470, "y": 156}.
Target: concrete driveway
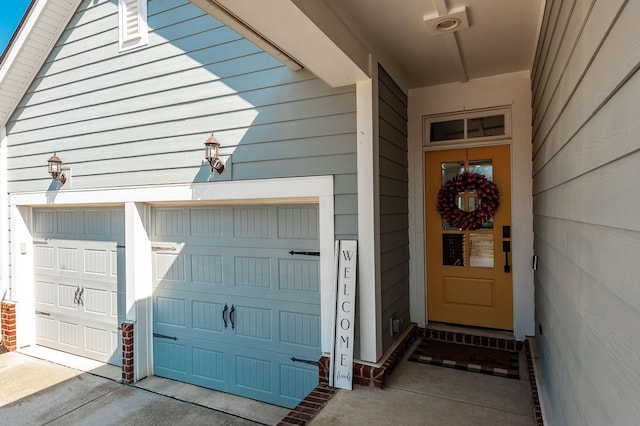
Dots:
{"x": 37, "y": 392}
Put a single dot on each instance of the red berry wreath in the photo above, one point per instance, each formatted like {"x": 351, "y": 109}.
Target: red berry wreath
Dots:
{"x": 488, "y": 200}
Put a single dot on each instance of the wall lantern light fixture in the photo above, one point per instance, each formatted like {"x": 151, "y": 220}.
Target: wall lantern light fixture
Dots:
{"x": 211, "y": 153}
{"x": 55, "y": 169}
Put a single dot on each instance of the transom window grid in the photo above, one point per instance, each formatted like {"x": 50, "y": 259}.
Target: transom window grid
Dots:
{"x": 478, "y": 126}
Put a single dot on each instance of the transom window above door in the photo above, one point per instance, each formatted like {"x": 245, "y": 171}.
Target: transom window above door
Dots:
{"x": 473, "y": 126}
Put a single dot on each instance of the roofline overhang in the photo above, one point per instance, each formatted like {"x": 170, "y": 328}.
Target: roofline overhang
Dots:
{"x": 332, "y": 53}
{"x": 29, "y": 47}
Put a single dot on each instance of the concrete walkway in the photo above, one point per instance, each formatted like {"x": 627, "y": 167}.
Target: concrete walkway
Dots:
{"x": 38, "y": 392}
{"x": 420, "y": 394}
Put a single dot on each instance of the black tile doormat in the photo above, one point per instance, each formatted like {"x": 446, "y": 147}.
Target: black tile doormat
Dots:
{"x": 497, "y": 362}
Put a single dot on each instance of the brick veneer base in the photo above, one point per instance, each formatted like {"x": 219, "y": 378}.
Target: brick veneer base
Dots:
{"x": 310, "y": 406}
{"x": 537, "y": 408}
{"x": 8, "y": 310}
{"x": 469, "y": 339}
{"x": 127, "y": 353}
{"x": 370, "y": 375}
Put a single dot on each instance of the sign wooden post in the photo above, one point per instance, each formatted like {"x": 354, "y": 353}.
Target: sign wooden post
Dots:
{"x": 341, "y": 368}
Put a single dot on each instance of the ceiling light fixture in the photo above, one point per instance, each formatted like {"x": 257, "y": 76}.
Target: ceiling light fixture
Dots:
{"x": 447, "y": 24}
{"x": 453, "y": 21}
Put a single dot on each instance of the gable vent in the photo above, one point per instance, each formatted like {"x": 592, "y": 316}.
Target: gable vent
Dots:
{"x": 133, "y": 24}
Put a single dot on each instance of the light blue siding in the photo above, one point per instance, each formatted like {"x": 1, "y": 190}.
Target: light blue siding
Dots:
{"x": 394, "y": 204}
{"x": 141, "y": 117}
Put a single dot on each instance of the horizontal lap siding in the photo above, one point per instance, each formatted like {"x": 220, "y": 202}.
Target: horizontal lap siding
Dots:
{"x": 141, "y": 117}
{"x": 586, "y": 165}
{"x": 394, "y": 206}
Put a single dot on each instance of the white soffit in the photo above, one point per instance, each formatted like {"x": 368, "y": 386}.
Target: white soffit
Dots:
{"x": 29, "y": 48}
{"x": 283, "y": 24}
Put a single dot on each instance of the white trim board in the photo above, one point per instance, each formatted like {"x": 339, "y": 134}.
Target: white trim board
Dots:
{"x": 318, "y": 189}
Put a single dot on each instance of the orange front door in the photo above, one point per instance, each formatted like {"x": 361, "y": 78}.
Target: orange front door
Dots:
{"x": 469, "y": 270}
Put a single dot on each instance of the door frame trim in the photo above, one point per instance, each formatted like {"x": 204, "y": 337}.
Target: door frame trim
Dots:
{"x": 316, "y": 189}
{"x": 509, "y": 90}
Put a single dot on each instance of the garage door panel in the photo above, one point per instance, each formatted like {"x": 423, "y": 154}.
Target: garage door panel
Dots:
{"x": 68, "y": 334}
{"x": 300, "y": 329}
{"x": 97, "y": 340}
{"x": 238, "y": 256}
{"x": 299, "y": 275}
{"x": 207, "y": 316}
{"x": 207, "y": 269}
{"x": 170, "y": 311}
{"x": 271, "y": 376}
{"x": 97, "y": 261}
{"x": 192, "y": 360}
{"x": 47, "y": 330}
{"x": 170, "y": 267}
{"x": 45, "y": 258}
{"x": 296, "y": 381}
{"x": 67, "y": 297}
{"x": 298, "y": 222}
{"x": 204, "y": 320}
{"x": 45, "y": 292}
{"x": 76, "y": 266}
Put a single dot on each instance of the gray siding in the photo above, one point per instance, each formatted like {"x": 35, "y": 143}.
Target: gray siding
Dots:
{"x": 394, "y": 204}
{"x": 141, "y": 117}
{"x": 586, "y": 168}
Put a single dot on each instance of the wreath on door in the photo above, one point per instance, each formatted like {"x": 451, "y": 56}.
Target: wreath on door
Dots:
{"x": 488, "y": 201}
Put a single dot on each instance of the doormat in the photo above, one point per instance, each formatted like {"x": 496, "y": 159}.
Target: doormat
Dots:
{"x": 497, "y": 362}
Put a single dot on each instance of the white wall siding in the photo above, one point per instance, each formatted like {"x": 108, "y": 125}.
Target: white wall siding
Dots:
{"x": 586, "y": 169}
{"x": 141, "y": 117}
{"x": 394, "y": 204}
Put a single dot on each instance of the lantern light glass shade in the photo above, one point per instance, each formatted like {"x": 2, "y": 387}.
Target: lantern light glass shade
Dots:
{"x": 211, "y": 153}
{"x": 55, "y": 168}
{"x": 55, "y": 164}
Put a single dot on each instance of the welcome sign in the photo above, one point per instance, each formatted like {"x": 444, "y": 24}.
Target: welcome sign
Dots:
{"x": 341, "y": 370}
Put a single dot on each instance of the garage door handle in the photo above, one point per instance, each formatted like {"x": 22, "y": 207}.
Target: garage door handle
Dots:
{"x": 224, "y": 311}
{"x": 233, "y": 309}
{"x": 43, "y": 313}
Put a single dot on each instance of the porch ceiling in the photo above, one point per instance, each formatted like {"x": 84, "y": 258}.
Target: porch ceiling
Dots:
{"x": 501, "y": 37}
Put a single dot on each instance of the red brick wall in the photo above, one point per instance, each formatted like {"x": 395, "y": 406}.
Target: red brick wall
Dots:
{"x": 9, "y": 325}
{"x": 127, "y": 353}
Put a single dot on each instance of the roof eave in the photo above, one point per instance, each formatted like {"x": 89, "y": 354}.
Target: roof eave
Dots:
{"x": 29, "y": 47}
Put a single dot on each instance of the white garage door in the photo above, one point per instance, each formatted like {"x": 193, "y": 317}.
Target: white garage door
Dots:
{"x": 233, "y": 309}
{"x": 77, "y": 263}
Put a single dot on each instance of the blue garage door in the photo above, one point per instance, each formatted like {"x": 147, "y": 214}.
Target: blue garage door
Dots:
{"x": 231, "y": 305}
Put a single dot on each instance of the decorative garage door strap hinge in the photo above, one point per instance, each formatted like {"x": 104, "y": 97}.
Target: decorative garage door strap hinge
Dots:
{"x": 42, "y": 243}
{"x": 164, "y": 336}
{"x": 306, "y": 361}
{"x": 160, "y": 248}
{"x": 305, "y": 253}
